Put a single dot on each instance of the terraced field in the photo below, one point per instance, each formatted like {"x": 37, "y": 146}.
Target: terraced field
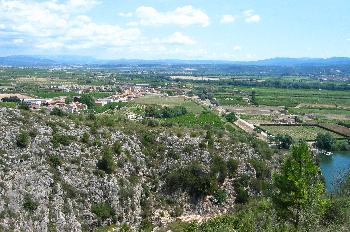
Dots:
{"x": 308, "y": 133}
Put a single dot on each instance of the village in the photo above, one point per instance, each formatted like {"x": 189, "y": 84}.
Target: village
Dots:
{"x": 72, "y": 104}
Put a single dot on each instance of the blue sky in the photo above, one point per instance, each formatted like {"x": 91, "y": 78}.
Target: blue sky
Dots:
{"x": 168, "y": 29}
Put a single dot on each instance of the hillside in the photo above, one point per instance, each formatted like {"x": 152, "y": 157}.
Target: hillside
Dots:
{"x": 83, "y": 172}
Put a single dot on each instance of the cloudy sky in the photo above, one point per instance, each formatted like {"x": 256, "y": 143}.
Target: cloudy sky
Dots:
{"x": 159, "y": 29}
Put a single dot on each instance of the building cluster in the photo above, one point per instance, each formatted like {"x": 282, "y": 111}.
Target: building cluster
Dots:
{"x": 129, "y": 93}
{"x": 58, "y": 102}
{"x": 80, "y": 89}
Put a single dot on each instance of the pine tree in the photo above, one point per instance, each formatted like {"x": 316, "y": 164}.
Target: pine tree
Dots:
{"x": 299, "y": 189}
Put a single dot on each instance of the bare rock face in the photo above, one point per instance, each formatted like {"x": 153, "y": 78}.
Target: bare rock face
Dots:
{"x": 45, "y": 187}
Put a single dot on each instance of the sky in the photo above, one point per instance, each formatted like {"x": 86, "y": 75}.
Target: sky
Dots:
{"x": 176, "y": 29}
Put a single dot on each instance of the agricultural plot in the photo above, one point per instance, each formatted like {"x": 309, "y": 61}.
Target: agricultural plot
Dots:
{"x": 299, "y": 132}
{"x": 190, "y": 105}
{"x": 193, "y": 120}
{"x": 229, "y": 100}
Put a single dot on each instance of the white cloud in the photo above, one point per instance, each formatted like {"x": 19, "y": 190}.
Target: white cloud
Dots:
{"x": 2, "y": 27}
{"x": 49, "y": 24}
{"x": 18, "y": 41}
{"x": 251, "y": 17}
{"x": 125, "y": 14}
{"x": 182, "y": 16}
{"x": 237, "y": 48}
{"x": 227, "y": 19}
{"x": 180, "y": 39}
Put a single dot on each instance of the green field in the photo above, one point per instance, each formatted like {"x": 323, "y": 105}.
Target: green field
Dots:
{"x": 190, "y": 105}
{"x": 308, "y": 133}
{"x": 192, "y": 120}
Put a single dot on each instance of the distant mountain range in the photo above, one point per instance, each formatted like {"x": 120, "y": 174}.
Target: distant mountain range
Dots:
{"x": 29, "y": 61}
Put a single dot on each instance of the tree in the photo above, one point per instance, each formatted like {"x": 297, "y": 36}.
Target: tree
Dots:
{"x": 253, "y": 98}
{"x": 231, "y": 117}
{"x": 58, "y": 112}
{"x": 107, "y": 163}
{"x": 102, "y": 210}
{"x": 68, "y": 100}
{"x": 285, "y": 141}
{"x": 298, "y": 189}
{"x": 87, "y": 100}
{"x": 325, "y": 141}
{"x": 23, "y": 139}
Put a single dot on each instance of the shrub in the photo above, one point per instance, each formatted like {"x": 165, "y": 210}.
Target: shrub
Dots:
{"x": 23, "y": 139}
{"x": 29, "y": 204}
{"x": 231, "y": 117}
{"x": 33, "y": 133}
{"x": 64, "y": 140}
{"x": 284, "y": 141}
{"x": 106, "y": 163}
{"x": 86, "y": 138}
{"x": 58, "y": 112}
{"x": 102, "y": 210}
{"x": 325, "y": 141}
{"x": 232, "y": 166}
{"x": 219, "y": 168}
{"x": 88, "y": 100}
{"x": 193, "y": 179}
{"x": 242, "y": 196}
{"x": 262, "y": 170}
{"x": 148, "y": 139}
{"x": 55, "y": 161}
{"x": 220, "y": 196}
{"x": 117, "y": 147}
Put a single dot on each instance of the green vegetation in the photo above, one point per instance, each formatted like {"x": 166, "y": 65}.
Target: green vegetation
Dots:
{"x": 299, "y": 189}
{"x": 284, "y": 141}
{"x": 325, "y": 141}
{"x": 165, "y": 112}
{"x": 60, "y": 139}
{"x": 231, "y": 117}
{"x": 304, "y": 132}
{"x": 102, "y": 210}
{"x": 88, "y": 100}
{"x": 23, "y": 139}
{"x": 106, "y": 163}
{"x": 58, "y": 112}
{"x": 29, "y": 204}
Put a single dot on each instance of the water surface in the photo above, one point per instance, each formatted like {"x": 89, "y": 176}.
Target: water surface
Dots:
{"x": 334, "y": 168}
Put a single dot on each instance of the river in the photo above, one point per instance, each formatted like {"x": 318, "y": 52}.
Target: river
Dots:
{"x": 334, "y": 168}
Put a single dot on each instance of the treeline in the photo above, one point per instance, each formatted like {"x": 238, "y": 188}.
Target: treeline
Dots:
{"x": 165, "y": 112}
{"x": 280, "y": 83}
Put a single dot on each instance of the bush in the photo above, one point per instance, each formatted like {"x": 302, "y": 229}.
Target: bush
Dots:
{"x": 23, "y": 139}
{"x": 86, "y": 138}
{"x": 117, "y": 147}
{"x": 88, "y": 100}
{"x": 102, "y": 210}
{"x": 55, "y": 161}
{"x": 231, "y": 117}
{"x": 64, "y": 140}
{"x": 262, "y": 170}
{"x": 193, "y": 179}
{"x": 220, "y": 196}
{"x": 29, "y": 204}
{"x": 325, "y": 141}
{"x": 242, "y": 196}
{"x": 232, "y": 166}
{"x": 58, "y": 112}
{"x": 284, "y": 141}
{"x": 219, "y": 168}
{"x": 148, "y": 139}
{"x": 106, "y": 163}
